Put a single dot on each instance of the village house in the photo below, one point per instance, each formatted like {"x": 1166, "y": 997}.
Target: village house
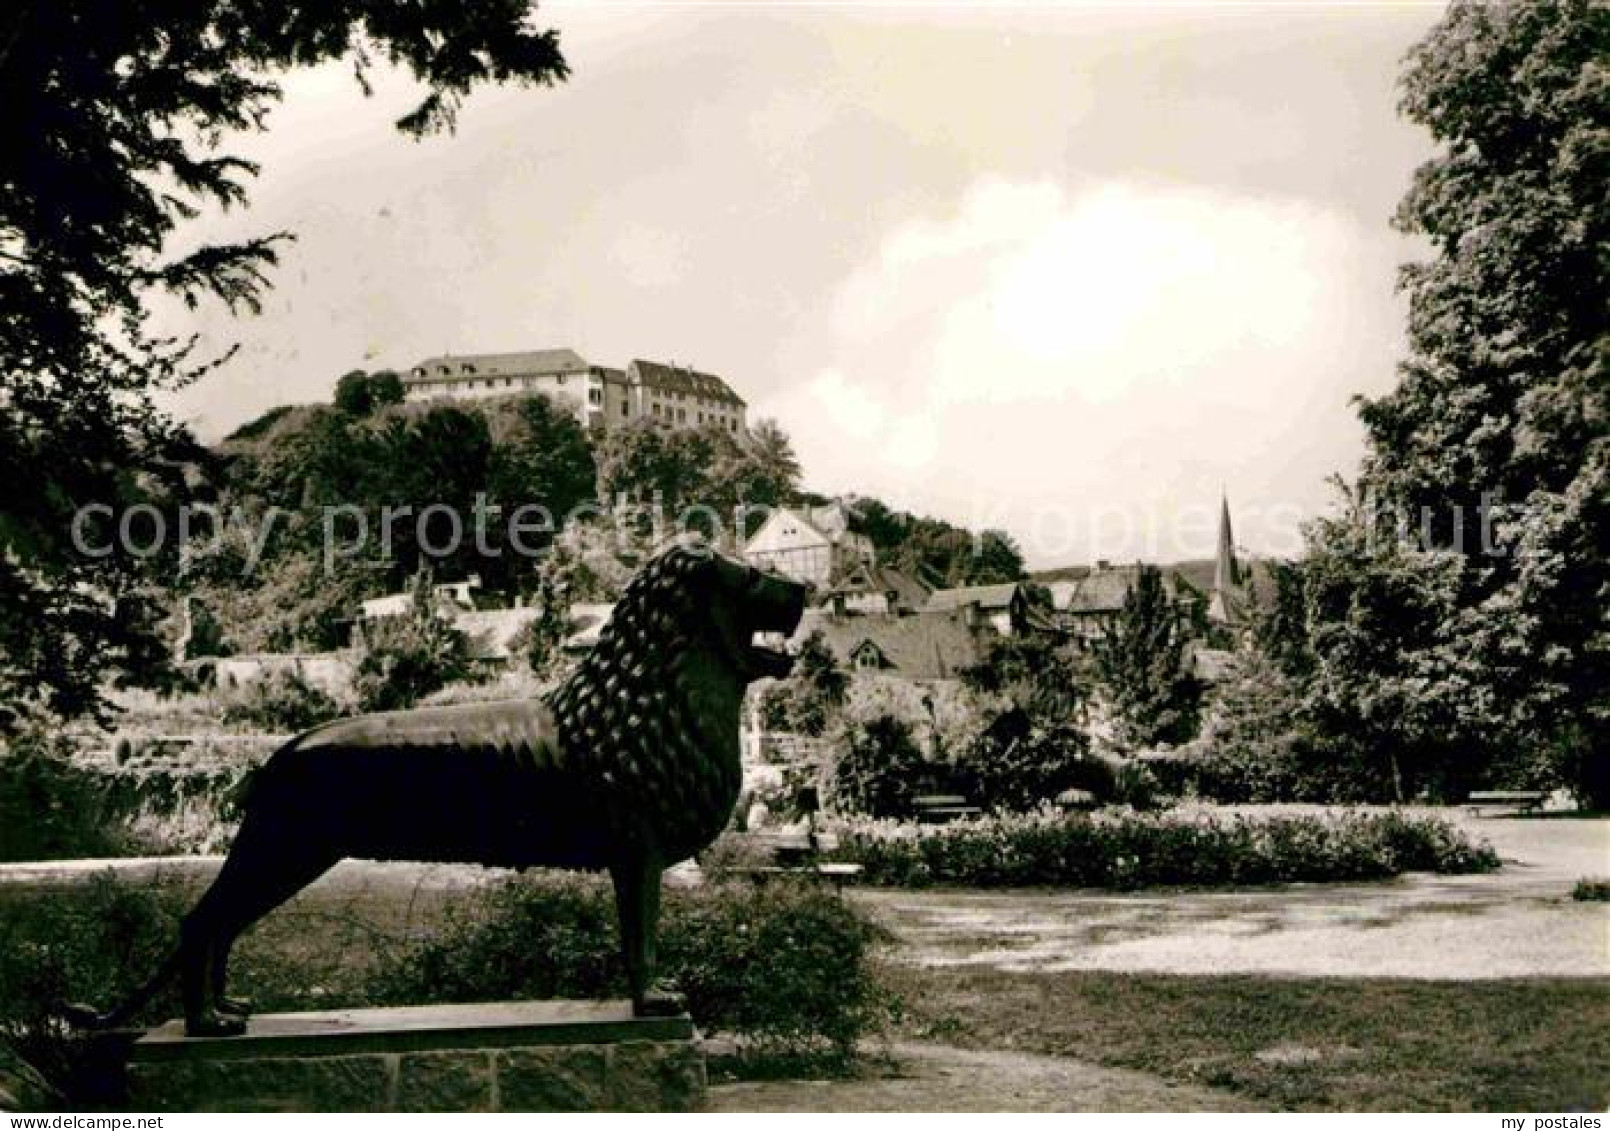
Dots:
{"x": 869, "y": 588}
{"x": 600, "y": 397}
{"x": 1086, "y": 602}
{"x": 918, "y": 646}
{"x": 1003, "y": 607}
{"x": 813, "y": 545}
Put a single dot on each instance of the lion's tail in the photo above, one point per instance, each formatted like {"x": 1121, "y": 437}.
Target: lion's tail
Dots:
{"x": 87, "y": 1017}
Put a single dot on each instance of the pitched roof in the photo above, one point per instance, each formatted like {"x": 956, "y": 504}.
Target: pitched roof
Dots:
{"x": 680, "y": 379}
{"x": 920, "y": 646}
{"x": 1104, "y": 590}
{"x": 524, "y": 363}
{"x": 909, "y": 592}
{"x": 985, "y": 596}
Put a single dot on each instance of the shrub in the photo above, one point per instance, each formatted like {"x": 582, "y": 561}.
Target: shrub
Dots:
{"x": 407, "y": 658}
{"x": 1017, "y": 763}
{"x": 280, "y": 701}
{"x": 812, "y": 697}
{"x": 786, "y": 966}
{"x": 53, "y": 809}
{"x": 878, "y": 770}
{"x": 1130, "y": 850}
{"x": 1591, "y": 891}
{"x": 95, "y": 944}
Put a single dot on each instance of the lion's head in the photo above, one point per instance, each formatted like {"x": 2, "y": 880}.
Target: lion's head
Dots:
{"x": 652, "y": 713}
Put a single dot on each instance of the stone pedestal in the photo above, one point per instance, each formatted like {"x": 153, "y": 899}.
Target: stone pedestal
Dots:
{"x": 497, "y": 1056}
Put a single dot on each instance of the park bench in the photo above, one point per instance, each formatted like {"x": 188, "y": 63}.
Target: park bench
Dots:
{"x": 942, "y": 808}
{"x": 1517, "y": 800}
{"x": 798, "y": 854}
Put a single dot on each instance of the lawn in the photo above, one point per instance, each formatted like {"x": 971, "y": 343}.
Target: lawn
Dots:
{"x": 1384, "y": 1044}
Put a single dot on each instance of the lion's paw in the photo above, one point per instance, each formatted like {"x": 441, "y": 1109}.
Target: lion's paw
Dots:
{"x": 214, "y": 1024}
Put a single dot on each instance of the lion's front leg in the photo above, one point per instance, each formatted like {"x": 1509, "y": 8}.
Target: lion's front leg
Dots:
{"x": 637, "y": 905}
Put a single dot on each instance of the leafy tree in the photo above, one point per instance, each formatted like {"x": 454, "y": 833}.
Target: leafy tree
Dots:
{"x": 407, "y": 657}
{"x": 773, "y": 466}
{"x": 114, "y": 131}
{"x": 541, "y": 640}
{"x": 878, "y": 770}
{"x": 640, "y": 462}
{"x": 1276, "y": 733}
{"x": 940, "y": 553}
{"x": 358, "y": 393}
{"x": 1034, "y": 671}
{"x": 1143, "y": 665}
{"x": 809, "y": 700}
{"x": 1484, "y": 624}
{"x": 1030, "y": 747}
{"x": 996, "y": 558}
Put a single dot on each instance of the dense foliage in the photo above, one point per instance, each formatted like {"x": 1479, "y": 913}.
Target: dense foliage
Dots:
{"x": 358, "y": 393}
{"x": 405, "y": 658}
{"x": 785, "y": 966}
{"x": 812, "y": 697}
{"x": 53, "y": 808}
{"x": 116, "y": 121}
{"x": 1130, "y": 850}
{"x": 1144, "y": 669}
{"x": 278, "y": 702}
{"x": 935, "y": 551}
{"x": 1460, "y": 602}
{"x": 878, "y": 769}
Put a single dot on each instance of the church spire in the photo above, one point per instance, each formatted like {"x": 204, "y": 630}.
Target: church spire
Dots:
{"x": 1226, "y": 571}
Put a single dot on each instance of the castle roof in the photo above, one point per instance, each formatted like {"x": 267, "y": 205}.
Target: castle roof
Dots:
{"x": 680, "y": 379}
{"x": 521, "y": 364}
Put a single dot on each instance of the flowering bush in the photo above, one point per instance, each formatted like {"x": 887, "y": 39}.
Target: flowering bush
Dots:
{"x": 1121, "y": 849}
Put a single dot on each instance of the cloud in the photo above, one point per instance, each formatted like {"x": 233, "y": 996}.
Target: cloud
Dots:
{"x": 1086, "y": 366}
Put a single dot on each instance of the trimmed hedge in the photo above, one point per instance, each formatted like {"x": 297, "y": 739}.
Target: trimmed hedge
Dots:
{"x": 1128, "y": 850}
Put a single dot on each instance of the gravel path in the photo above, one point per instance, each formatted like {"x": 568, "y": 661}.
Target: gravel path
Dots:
{"x": 1519, "y": 921}
{"x": 940, "y": 1078}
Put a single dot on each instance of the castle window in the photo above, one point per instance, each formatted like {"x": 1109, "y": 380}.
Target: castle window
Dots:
{"x": 595, "y": 396}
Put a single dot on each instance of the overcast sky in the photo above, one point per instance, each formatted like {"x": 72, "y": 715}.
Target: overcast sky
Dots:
{"x": 1069, "y": 271}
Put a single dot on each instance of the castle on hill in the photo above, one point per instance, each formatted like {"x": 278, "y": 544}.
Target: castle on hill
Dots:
{"x": 601, "y": 397}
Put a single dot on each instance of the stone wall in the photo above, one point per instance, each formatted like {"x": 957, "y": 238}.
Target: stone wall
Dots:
{"x": 491, "y": 1056}
{"x": 627, "y": 1076}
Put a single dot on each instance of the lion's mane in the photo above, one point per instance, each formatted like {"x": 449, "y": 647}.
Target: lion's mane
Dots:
{"x": 642, "y": 722}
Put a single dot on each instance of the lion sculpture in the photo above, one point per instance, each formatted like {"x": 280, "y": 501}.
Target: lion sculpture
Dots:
{"x": 631, "y": 765}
